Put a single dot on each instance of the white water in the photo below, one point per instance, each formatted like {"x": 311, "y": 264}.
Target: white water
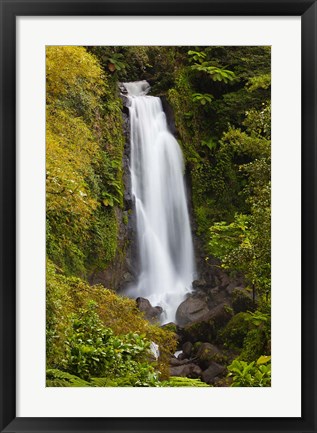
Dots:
{"x": 163, "y": 227}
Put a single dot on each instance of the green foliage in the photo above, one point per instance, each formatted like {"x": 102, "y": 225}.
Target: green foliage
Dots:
{"x": 251, "y": 375}
{"x": 236, "y": 330}
{"x": 258, "y": 340}
{"x": 244, "y": 244}
{"x": 116, "y": 62}
{"x": 59, "y": 378}
{"x": 201, "y": 65}
{"x": 210, "y": 143}
{"x": 202, "y": 98}
{"x": 80, "y": 318}
{"x": 262, "y": 81}
{"x": 248, "y": 334}
{"x": 228, "y": 237}
{"x": 196, "y": 56}
{"x": 216, "y": 74}
{"x": 84, "y": 148}
{"x": 93, "y": 350}
{"x": 175, "y": 381}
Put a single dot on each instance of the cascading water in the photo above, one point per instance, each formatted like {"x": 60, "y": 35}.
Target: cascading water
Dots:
{"x": 163, "y": 227}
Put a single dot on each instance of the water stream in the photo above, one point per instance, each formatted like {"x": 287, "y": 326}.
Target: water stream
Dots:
{"x": 163, "y": 226}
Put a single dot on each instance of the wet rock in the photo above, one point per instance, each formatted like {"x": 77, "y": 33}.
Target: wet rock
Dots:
{"x": 191, "y": 310}
{"x": 152, "y": 314}
{"x": 169, "y": 115}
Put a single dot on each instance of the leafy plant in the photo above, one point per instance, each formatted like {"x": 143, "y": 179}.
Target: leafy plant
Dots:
{"x": 116, "y": 62}
{"x": 57, "y": 378}
{"x": 196, "y": 56}
{"x": 251, "y": 375}
{"x": 94, "y": 351}
{"x": 203, "y": 98}
{"x": 215, "y": 73}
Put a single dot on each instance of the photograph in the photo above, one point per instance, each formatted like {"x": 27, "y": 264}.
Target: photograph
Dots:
{"x": 158, "y": 216}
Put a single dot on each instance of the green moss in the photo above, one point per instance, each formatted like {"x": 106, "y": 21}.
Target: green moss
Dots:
{"x": 242, "y": 301}
{"x": 170, "y": 327}
{"x": 255, "y": 345}
{"x": 183, "y": 382}
{"x": 236, "y": 330}
{"x": 125, "y": 218}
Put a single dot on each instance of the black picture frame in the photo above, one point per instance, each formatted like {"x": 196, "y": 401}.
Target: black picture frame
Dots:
{"x": 307, "y": 10}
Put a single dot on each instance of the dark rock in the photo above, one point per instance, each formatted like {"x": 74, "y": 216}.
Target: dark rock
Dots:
{"x": 188, "y": 370}
{"x": 212, "y": 372}
{"x": 224, "y": 280}
{"x": 187, "y": 348}
{"x": 169, "y": 115}
{"x": 122, "y": 89}
{"x": 191, "y": 310}
{"x": 221, "y": 382}
{"x": 199, "y": 284}
{"x": 217, "y": 296}
{"x": 242, "y": 300}
{"x": 152, "y": 314}
{"x": 207, "y": 327}
{"x": 207, "y": 354}
{"x": 175, "y": 362}
{"x": 182, "y": 356}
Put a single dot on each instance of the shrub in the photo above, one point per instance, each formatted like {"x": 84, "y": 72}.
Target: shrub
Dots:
{"x": 66, "y": 296}
{"x": 251, "y": 375}
{"x": 93, "y": 350}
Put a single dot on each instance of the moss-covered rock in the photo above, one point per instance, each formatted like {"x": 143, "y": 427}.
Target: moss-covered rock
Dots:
{"x": 207, "y": 329}
{"x": 242, "y": 300}
{"x": 207, "y": 354}
{"x": 255, "y": 345}
{"x": 235, "y": 331}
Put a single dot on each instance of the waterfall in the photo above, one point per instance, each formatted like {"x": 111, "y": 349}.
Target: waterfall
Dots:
{"x": 163, "y": 226}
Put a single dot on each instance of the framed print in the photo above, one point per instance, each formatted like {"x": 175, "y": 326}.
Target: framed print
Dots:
{"x": 158, "y": 216}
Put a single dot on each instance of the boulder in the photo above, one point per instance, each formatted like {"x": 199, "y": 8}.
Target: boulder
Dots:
{"x": 187, "y": 348}
{"x": 242, "y": 300}
{"x": 187, "y": 370}
{"x": 207, "y": 354}
{"x": 152, "y": 314}
{"x": 191, "y": 310}
{"x": 175, "y": 362}
{"x": 207, "y": 327}
{"x": 212, "y": 372}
